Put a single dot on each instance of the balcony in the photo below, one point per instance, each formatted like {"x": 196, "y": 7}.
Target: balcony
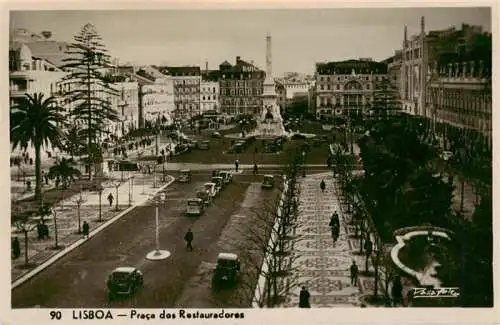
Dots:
{"x": 18, "y": 90}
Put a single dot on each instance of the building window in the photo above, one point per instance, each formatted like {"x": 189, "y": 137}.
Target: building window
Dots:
{"x": 338, "y": 87}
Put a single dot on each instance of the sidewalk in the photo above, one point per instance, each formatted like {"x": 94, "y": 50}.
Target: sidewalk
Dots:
{"x": 322, "y": 266}
{"x": 41, "y": 250}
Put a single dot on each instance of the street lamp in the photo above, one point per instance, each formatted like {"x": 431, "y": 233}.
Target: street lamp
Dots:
{"x": 130, "y": 190}
{"x": 116, "y": 184}
{"x": 100, "y": 189}
{"x": 79, "y": 201}
{"x": 158, "y": 254}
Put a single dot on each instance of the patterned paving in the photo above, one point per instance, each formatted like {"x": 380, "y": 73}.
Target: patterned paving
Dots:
{"x": 322, "y": 266}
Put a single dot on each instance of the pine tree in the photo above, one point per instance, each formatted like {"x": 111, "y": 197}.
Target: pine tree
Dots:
{"x": 89, "y": 91}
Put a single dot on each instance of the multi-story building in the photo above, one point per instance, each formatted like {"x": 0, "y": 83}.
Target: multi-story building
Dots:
{"x": 209, "y": 91}
{"x": 29, "y": 74}
{"x": 241, "y": 87}
{"x": 394, "y": 70}
{"x": 159, "y": 100}
{"x": 459, "y": 94}
{"x": 126, "y": 105}
{"x": 419, "y": 52}
{"x": 294, "y": 90}
{"x": 346, "y": 88}
{"x": 186, "y": 82}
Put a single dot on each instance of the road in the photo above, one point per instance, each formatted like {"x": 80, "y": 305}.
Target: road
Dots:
{"x": 78, "y": 279}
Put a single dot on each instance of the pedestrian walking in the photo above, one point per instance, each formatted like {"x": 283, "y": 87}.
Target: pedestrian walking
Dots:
{"x": 16, "y": 248}
{"x": 354, "y": 273}
{"x": 85, "y": 229}
{"x": 322, "y": 185}
{"x": 335, "y": 226}
{"x": 110, "y": 199}
{"x": 188, "y": 237}
{"x": 236, "y": 164}
{"x": 304, "y": 298}
{"x": 255, "y": 169}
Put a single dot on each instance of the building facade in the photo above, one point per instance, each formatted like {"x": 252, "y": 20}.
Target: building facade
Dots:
{"x": 29, "y": 74}
{"x": 394, "y": 70}
{"x": 209, "y": 96}
{"x": 346, "y": 88}
{"x": 241, "y": 87}
{"x": 158, "y": 100}
{"x": 419, "y": 52}
{"x": 459, "y": 95}
{"x": 186, "y": 83}
{"x": 126, "y": 105}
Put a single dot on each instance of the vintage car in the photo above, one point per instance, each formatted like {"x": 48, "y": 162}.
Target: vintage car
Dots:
{"x": 194, "y": 207}
{"x": 211, "y": 189}
{"x": 268, "y": 181}
{"x": 185, "y": 176}
{"x": 219, "y": 182}
{"x": 124, "y": 281}
{"x": 204, "y": 196}
{"x": 226, "y": 176}
{"x": 227, "y": 270}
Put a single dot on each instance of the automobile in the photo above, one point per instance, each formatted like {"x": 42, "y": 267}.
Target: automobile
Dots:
{"x": 216, "y": 135}
{"x": 268, "y": 181}
{"x": 204, "y": 196}
{"x": 204, "y": 145}
{"x": 124, "y": 281}
{"x": 227, "y": 270}
{"x": 195, "y": 207}
{"x": 211, "y": 189}
{"x": 226, "y": 176}
{"x": 185, "y": 176}
{"x": 219, "y": 182}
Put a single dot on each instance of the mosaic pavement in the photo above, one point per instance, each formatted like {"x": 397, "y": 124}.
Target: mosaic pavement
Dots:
{"x": 323, "y": 267}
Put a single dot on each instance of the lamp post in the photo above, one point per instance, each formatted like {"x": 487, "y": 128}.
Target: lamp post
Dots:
{"x": 130, "y": 190}
{"x": 154, "y": 175}
{"x": 100, "y": 189}
{"x": 79, "y": 201}
{"x": 158, "y": 254}
{"x": 116, "y": 184}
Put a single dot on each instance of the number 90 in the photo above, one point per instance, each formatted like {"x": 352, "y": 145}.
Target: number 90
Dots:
{"x": 55, "y": 315}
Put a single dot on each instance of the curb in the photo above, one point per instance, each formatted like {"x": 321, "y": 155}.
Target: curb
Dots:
{"x": 261, "y": 281}
{"x": 79, "y": 242}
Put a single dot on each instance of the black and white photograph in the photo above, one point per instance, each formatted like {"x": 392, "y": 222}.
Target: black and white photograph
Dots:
{"x": 249, "y": 159}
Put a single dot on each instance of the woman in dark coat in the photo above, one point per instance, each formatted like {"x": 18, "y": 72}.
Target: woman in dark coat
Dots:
{"x": 304, "y": 298}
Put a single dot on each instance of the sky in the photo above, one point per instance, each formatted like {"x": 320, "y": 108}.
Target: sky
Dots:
{"x": 300, "y": 37}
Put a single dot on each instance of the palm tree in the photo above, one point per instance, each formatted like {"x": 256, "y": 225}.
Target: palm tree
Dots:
{"x": 37, "y": 121}
{"x": 64, "y": 172}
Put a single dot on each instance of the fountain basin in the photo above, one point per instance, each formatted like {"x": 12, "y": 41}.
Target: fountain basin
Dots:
{"x": 425, "y": 258}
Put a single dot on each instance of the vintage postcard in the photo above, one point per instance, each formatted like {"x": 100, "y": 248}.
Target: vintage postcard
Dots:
{"x": 242, "y": 163}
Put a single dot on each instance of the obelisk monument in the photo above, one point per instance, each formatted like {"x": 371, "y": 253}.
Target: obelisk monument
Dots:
{"x": 270, "y": 122}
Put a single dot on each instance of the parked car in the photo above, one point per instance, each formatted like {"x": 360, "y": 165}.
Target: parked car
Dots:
{"x": 195, "y": 207}
{"x": 124, "y": 281}
{"x": 211, "y": 189}
{"x": 227, "y": 270}
{"x": 268, "y": 181}
{"x": 219, "y": 182}
{"x": 204, "y": 196}
{"x": 185, "y": 176}
{"x": 226, "y": 176}
{"x": 216, "y": 135}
